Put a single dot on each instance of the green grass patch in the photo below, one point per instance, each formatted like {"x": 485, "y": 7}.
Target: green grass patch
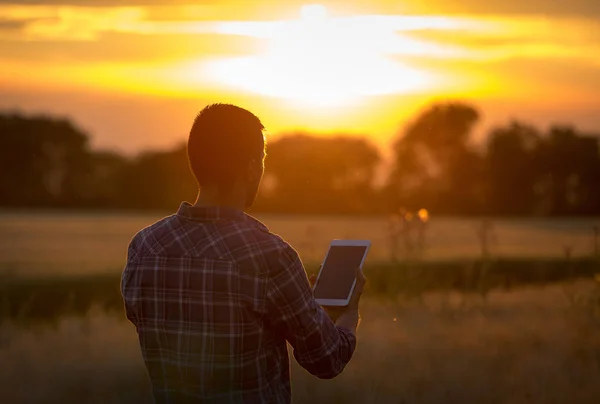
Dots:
{"x": 30, "y": 300}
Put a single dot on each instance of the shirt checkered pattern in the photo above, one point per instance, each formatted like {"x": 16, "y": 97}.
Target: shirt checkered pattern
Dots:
{"x": 214, "y": 297}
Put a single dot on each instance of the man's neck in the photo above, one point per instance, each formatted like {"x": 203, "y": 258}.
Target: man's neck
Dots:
{"x": 212, "y": 197}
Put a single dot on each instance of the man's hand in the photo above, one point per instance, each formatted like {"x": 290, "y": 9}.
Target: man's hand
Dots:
{"x": 313, "y": 278}
{"x": 351, "y": 310}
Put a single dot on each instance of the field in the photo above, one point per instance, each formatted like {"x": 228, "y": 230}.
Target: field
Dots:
{"x": 519, "y": 325}
{"x": 59, "y": 243}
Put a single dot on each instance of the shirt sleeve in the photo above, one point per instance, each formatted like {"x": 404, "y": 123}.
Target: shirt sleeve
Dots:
{"x": 320, "y": 347}
{"x": 129, "y": 290}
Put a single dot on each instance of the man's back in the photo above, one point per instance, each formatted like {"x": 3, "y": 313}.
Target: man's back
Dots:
{"x": 214, "y": 297}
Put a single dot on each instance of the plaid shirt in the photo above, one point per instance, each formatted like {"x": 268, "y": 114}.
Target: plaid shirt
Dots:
{"x": 214, "y": 297}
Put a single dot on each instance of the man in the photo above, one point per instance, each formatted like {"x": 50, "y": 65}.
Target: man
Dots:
{"x": 215, "y": 296}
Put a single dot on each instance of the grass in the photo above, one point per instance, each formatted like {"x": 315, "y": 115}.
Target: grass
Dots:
{"x": 48, "y": 298}
{"x": 438, "y": 326}
{"x": 423, "y": 339}
{"x": 523, "y": 346}
{"x": 48, "y": 244}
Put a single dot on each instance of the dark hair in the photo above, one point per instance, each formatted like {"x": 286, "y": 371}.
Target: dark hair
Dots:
{"x": 223, "y": 140}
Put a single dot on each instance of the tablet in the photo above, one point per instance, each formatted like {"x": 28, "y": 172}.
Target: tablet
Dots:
{"x": 337, "y": 277}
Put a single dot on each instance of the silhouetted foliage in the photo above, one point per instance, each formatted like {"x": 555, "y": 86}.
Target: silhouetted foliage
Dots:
{"x": 319, "y": 175}
{"x": 158, "y": 180}
{"x": 512, "y": 169}
{"x": 434, "y": 163}
{"x": 43, "y": 162}
{"x": 46, "y": 162}
{"x": 552, "y": 174}
{"x": 570, "y": 169}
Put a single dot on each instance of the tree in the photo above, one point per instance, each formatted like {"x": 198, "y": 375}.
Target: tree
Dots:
{"x": 46, "y": 162}
{"x": 511, "y": 168}
{"x": 108, "y": 171}
{"x": 158, "y": 180}
{"x": 434, "y": 166}
{"x": 319, "y": 174}
{"x": 43, "y": 161}
{"x": 570, "y": 163}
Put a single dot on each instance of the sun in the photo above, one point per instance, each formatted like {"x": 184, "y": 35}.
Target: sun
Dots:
{"x": 319, "y": 60}
{"x": 313, "y": 12}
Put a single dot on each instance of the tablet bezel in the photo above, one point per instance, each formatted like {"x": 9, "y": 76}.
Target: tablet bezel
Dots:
{"x": 343, "y": 243}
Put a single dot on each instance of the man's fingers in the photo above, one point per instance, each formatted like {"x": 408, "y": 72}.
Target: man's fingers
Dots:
{"x": 360, "y": 278}
{"x": 358, "y": 287}
{"x": 313, "y": 277}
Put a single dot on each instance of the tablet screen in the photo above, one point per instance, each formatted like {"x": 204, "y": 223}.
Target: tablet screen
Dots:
{"x": 338, "y": 272}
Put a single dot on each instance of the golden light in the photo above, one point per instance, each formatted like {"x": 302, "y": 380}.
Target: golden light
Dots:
{"x": 423, "y": 215}
{"x": 319, "y": 60}
{"x": 322, "y": 58}
{"x": 313, "y": 12}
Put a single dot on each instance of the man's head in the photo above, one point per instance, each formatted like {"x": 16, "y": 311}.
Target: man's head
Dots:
{"x": 226, "y": 150}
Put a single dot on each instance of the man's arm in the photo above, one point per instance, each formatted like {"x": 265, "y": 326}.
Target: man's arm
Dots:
{"x": 320, "y": 346}
{"x": 349, "y": 316}
{"x": 129, "y": 290}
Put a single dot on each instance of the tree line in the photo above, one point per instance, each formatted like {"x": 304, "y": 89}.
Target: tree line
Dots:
{"x": 436, "y": 164}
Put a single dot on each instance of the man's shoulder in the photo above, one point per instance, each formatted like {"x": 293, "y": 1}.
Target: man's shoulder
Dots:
{"x": 277, "y": 241}
{"x": 145, "y": 238}
{"x": 264, "y": 242}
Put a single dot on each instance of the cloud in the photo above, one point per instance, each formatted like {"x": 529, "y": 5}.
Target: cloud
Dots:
{"x": 560, "y": 8}
{"x": 554, "y": 8}
{"x": 68, "y": 23}
{"x": 96, "y": 3}
{"x": 128, "y": 49}
{"x": 132, "y": 48}
{"x": 478, "y": 38}
{"x": 17, "y": 25}
{"x": 525, "y": 37}
{"x": 7, "y": 24}
{"x": 514, "y": 7}
{"x": 86, "y": 20}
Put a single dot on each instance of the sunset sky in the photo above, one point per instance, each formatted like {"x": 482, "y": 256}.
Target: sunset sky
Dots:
{"x": 134, "y": 74}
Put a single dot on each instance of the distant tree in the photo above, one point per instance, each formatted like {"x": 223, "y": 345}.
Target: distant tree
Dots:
{"x": 570, "y": 165}
{"x": 108, "y": 171}
{"x": 46, "y": 162}
{"x": 434, "y": 165}
{"x": 158, "y": 180}
{"x": 306, "y": 173}
{"x": 43, "y": 161}
{"x": 512, "y": 170}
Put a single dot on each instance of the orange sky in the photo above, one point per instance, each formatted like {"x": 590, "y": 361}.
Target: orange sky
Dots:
{"x": 135, "y": 74}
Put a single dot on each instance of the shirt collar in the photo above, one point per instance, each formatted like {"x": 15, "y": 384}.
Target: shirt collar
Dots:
{"x": 209, "y": 213}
